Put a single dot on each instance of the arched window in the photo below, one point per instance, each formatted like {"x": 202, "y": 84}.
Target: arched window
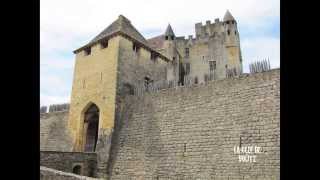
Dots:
{"x": 76, "y": 169}
{"x": 91, "y": 126}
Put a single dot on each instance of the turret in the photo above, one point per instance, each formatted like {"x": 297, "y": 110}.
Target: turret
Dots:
{"x": 232, "y": 42}
{"x": 169, "y": 46}
{"x": 169, "y": 34}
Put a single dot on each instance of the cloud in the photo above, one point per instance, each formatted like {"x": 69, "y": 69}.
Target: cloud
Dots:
{"x": 67, "y": 25}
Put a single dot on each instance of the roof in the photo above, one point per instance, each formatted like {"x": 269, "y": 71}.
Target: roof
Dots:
{"x": 122, "y": 26}
{"x": 228, "y": 16}
{"x": 156, "y": 42}
{"x": 169, "y": 31}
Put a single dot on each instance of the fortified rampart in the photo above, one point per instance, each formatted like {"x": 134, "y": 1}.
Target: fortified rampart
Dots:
{"x": 191, "y": 132}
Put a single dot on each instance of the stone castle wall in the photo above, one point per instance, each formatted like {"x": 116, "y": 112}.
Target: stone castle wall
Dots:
{"x": 54, "y": 135}
{"x": 66, "y": 161}
{"x": 190, "y": 133}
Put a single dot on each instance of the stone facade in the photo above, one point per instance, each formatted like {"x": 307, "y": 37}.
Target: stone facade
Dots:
{"x": 190, "y": 133}
{"x": 179, "y": 133}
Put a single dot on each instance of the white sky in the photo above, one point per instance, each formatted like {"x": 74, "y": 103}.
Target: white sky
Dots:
{"x": 65, "y": 25}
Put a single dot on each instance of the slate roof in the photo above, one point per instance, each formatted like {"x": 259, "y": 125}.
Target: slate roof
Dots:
{"x": 228, "y": 16}
{"x": 121, "y": 24}
{"x": 169, "y": 31}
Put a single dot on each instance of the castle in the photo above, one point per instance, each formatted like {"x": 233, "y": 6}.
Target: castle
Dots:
{"x": 113, "y": 131}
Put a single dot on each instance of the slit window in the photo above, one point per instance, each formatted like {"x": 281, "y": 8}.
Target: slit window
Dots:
{"x": 87, "y": 51}
{"x": 187, "y": 68}
{"x": 187, "y": 52}
{"x": 228, "y": 32}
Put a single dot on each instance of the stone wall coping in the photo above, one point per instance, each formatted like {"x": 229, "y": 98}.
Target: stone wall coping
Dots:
{"x": 68, "y": 152}
{"x": 43, "y": 168}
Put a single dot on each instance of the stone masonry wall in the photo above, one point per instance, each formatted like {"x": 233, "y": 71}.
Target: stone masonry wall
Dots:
{"x": 54, "y": 134}
{"x": 65, "y": 161}
{"x": 190, "y": 133}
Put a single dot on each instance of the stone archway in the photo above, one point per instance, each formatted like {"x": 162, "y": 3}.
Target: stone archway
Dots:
{"x": 91, "y": 127}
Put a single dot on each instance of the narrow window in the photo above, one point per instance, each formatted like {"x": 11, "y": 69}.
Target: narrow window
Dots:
{"x": 172, "y": 37}
{"x": 166, "y": 37}
{"x": 212, "y": 65}
{"x": 235, "y": 32}
{"x": 187, "y": 68}
{"x": 228, "y": 32}
{"x": 135, "y": 48}
{"x": 153, "y": 56}
{"x": 87, "y": 51}
{"x": 226, "y": 66}
{"x": 196, "y": 80}
{"x": 187, "y": 52}
{"x": 104, "y": 44}
{"x": 173, "y": 58}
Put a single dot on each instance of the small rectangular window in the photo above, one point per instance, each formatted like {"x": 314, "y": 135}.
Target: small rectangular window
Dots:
{"x": 104, "y": 44}
{"x": 153, "y": 56}
{"x": 187, "y": 52}
{"x": 212, "y": 65}
{"x": 87, "y": 51}
{"x": 187, "y": 68}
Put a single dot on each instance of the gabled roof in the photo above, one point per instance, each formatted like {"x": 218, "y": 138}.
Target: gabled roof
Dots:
{"x": 121, "y": 24}
{"x": 228, "y": 16}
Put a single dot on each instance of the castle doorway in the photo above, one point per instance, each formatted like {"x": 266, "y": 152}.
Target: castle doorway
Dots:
{"x": 91, "y": 127}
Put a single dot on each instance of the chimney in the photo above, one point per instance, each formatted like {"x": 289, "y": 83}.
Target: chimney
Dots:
{"x": 208, "y": 22}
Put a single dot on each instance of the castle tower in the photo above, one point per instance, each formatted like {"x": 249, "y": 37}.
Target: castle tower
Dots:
{"x": 232, "y": 42}
{"x": 169, "y": 43}
{"x": 106, "y": 71}
{"x": 170, "y": 51}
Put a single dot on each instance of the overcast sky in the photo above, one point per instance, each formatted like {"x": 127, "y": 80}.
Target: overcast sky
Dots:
{"x": 66, "y": 25}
